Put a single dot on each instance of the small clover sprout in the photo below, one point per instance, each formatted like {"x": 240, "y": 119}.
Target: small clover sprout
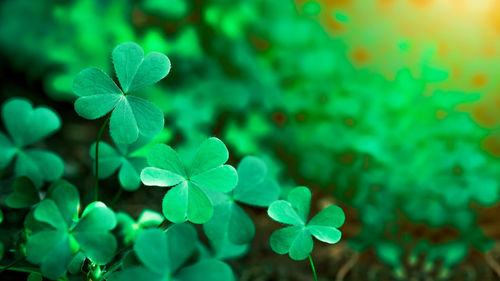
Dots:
{"x": 58, "y": 233}
{"x": 131, "y": 228}
{"x": 131, "y": 116}
{"x": 122, "y": 158}
{"x": 187, "y": 200}
{"x": 296, "y": 240}
{"x": 163, "y": 254}
{"x": 24, "y": 195}
{"x": 253, "y": 188}
{"x": 27, "y": 125}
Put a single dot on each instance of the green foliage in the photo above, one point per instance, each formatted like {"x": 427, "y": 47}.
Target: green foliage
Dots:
{"x": 254, "y": 188}
{"x": 163, "y": 256}
{"x": 123, "y": 159}
{"x": 130, "y": 228}
{"x": 25, "y": 194}
{"x": 187, "y": 199}
{"x": 131, "y": 116}
{"x": 25, "y": 126}
{"x": 59, "y": 233}
{"x": 296, "y": 240}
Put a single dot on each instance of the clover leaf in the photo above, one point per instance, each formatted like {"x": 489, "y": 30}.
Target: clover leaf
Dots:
{"x": 253, "y": 188}
{"x": 187, "y": 200}
{"x": 296, "y": 240}
{"x": 62, "y": 234}
{"x": 131, "y": 116}
{"x": 25, "y": 194}
{"x": 122, "y": 158}
{"x": 25, "y": 126}
{"x": 163, "y": 254}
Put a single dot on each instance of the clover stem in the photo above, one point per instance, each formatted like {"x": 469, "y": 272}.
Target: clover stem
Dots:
{"x": 20, "y": 269}
{"x": 7, "y": 267}
{"x": 99, "y": 135}
{"x": 313, "y": 269}
{"x": 117, "y": 196}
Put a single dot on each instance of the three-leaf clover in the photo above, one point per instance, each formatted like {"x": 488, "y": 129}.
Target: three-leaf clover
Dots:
{"x": 131, "y": 116}
{"x": 122, "y": 158}
{"x": 61, "y": 234}
{"x": 163, "y": 254}
{"x": 187, "y": 200}
{"x": 253, "y": 188}
{"x": 296, "y": 240}
{"x": 27, "y": 125}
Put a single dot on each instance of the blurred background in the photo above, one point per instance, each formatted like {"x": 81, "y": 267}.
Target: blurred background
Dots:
{"x": 389, "y": 108}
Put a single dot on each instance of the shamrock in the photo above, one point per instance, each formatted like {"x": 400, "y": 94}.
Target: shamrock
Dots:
{"x": 24, "y": 195}
{"x": 187, "y": 199}
{"x": 131, "y": 116}
{"x": 59, "y": 234}
{"x": 122, "y": 158}
{"x": 163, "y": 254}
{"x": 27, "y": 125}
{"x": 296, "y": 239}
{"x": 253, "y": 188}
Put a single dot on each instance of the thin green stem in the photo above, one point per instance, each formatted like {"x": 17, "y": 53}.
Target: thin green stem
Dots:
{"x": 313, "y": 269}
{"x": 4, "y": 268}
{"x": 21, "y": 269}
{"x": 99, "y": 135}
{"x": 117, "y": 196}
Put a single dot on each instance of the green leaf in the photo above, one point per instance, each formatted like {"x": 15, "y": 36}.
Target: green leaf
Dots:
{"x": 27, "y": 125}
{"x": 76, "y": 264}
{"x": 187, "y": 202}
{"x": 127, "y": 57}
{"x": 129, "y": 175}
{"x": 295, "y": 240}
{"x": 132, "y": 116}
{"x": 24, "y": 195}
{"x": 39, "y": 166}
{"x": 123, "y": 125}
{"x": 158, "y": 177}
{"x": 231, "y": 220}
{"x": 332, "y": 216}
{"x": 181, "y": 242}
{"x": 7, "y": 151}
{"x": 253, "y": 187}
{"x": 282, "y": 211}
{"x": 109, "y": 159}
{"x": 1, "y": 216}
{"x": 34, "y": 276}
{"x": 300, "y": 198}
{"x": 48, "y": 212}
{"x": 206, "y": 270}
{"x": 164, "y": 157}
{"x": 151, "y": 249}
{"x": 92, "y": 233}
{"x": 135, "y": 71}
{"x": 97, "y": 92}
{"x": 211, "y": 154}
{"x": 52, "y": 250}
{"x": 325, "y": 233}
{"x": 222, "y": 179}
{"x": 94, "y": 82}
{"x": 67, "y": 199}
